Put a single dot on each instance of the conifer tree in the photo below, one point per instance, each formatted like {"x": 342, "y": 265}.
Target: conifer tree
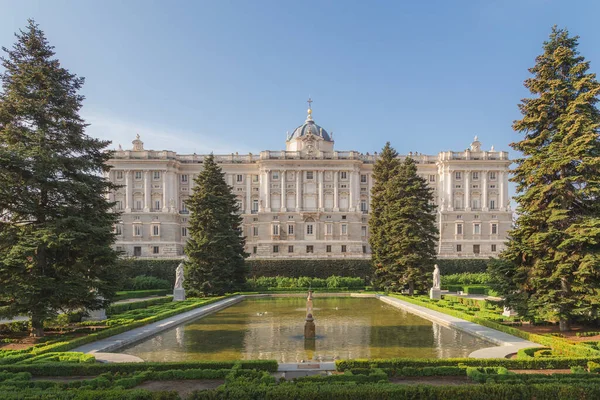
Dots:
{"x": 56, "y": 228}
{"x": 554, "y": 246}
{"x": 410, "y": 226}
{"x": 384, "y": 168}
{"x": 215, "y": 249}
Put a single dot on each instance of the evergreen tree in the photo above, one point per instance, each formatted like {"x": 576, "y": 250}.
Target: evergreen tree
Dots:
{"x": 554, "y": 246}
{"x": 384, "y": 168}
{"x": 411, "y": 227}
{"x": 402, "y": 223}
{"x": 216, "y": 245}
{"x": 56, "y": 228}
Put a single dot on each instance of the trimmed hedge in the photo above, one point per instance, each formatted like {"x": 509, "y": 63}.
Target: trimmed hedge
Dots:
{"x": 134, "y": 305}
{"x": 323, "y": 268}
{"x": 459, "y": 266}
{"x": 161, "y": 268}
{"x": 112, "y": 394}
{"x": 138, "y": 294}
{"x": 72, "y": 369}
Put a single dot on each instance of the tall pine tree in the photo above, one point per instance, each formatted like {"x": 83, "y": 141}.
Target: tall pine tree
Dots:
{"x": 384, "y": 168}
{"x": 56, "y": 228}
{"x": 411, "y": 226}
{"x": 555, "y": 244}
{"x": 215, "y": 249}
{"x": 402, "y": 223}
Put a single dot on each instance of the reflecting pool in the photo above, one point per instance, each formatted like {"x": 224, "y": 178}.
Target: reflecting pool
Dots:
{"x": 272, "y": 328}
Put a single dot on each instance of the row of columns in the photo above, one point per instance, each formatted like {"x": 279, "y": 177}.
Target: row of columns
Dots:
{"x": 446, "y": 184}
{"x": 170, "y": 196}
{"x": 265, "y": 183}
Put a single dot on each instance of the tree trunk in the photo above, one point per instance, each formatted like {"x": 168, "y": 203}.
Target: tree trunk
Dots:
{"x": 411, "y": 288}
{"x": 37, "y": 326}
{"x": 564, "y": 323}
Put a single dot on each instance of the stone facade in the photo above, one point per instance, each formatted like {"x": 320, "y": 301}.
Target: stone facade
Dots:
{"x": 308, "y": 201}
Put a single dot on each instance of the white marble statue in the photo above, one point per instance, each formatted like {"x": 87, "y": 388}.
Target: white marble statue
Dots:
{"x": 179, "y": 276}
{"x": 437, "y": 281}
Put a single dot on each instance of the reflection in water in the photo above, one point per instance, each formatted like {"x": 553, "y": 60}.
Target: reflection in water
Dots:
{"x": 272, "y": 328}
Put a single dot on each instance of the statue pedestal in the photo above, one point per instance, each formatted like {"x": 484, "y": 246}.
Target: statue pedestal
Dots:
{"x": 96, "y": 315}
{"x": 435, "y": 294}
{"x": 178, "y": 294}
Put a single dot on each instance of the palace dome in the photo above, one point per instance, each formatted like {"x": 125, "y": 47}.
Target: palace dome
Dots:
{"x": 309, "y": 127}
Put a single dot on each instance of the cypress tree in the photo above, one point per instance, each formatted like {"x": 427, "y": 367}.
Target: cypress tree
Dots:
{"x": 56, "y": 228}
{"x": 384, "y": 168}
{"x": 215, "y": 249}
{"x": 554, "y": 246}
{"x": 410, "y": 225}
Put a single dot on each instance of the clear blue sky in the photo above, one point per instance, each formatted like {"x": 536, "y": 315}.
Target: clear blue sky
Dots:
{"x": 230, "y": 76}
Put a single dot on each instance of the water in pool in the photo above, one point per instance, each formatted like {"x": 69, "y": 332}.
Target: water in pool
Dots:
{"x": 272, "y": 328}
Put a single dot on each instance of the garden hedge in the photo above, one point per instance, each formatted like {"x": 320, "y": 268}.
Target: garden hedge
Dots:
{"x": 138, "y": 294}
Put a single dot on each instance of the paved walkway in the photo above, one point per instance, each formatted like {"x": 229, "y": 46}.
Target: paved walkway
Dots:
{"x": 506, "y": 344}
{"x": 126, "y": 338}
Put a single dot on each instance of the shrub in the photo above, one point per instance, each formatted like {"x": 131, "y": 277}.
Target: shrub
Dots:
{"x": 466, "y": 278}
{"x": 324, "y": 268}
{"x": 593, "y": 367}
{"x": 143, "y": 282}
{"x": 138, "y": 294}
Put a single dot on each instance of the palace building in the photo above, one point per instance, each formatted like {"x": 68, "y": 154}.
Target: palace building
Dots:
{"x": 309, "y": 200}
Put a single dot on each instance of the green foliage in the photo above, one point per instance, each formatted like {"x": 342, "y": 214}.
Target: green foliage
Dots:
{"x": 163, "y": 269}
{"x": 134, "y": 305}
{"x": 593, "y": 367}
{"x": 587, "y": 334}
{"x": 323, "y": 268}
{"x": 555, "y": 246}
{"x": 303, "y": 283}
{"x": 459, "y": 266}
{"x": 56, "y": 225}
{"x": 467, "y": 278}
{"x": 216, "y": 244}
{"x": 143, "y": 282}
{"x": 403, "y": 228}
{"x": 138, "y": 294}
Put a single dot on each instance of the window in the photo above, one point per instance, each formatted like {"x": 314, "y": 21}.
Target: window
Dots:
{"x": 309, "y": 174}
{"x": 119, "y": 229}
{"x": 137, "y": 251}
{"x": 184, "y": 178}
{"x": 459, "y": 229}
{"x": 363, "y": 179}
{"x": 290, "y": 249}
{"x": 363, "y": 205}
{"x": 276, "y": 249}
{"x": 328, "y": 229}
{"x": 155, "y": 230}
{"x": 343, "y": 217}
{"x": 493, "y": 248}
{"x": 119, "y": 175}
{"x": 119, "y": 204}
{"x": 275, "y": 217}
{"x": 328, "y": 248}
{"x": 138, "y": 175}
{"x": 476, "y": 229}
{"x": 363, "y": 231}
{"x": 290, "y": 229}
{"x": 254, "y": 249}
{"x": 275, "y": 175}
{"x": 309, "y": 229}
{"x": 476, "y": 216}
{"x": 275, "y": 230}
{"x": 156, "y": 175}
{"x": 431, "y": 178}
{"x": 492, "y": 204}
{"x": 458, "y": 175}
{"x": 343, "y": 175}
{"x": 155, "y": 250}
{"x": 344, "y": 229}
{"x": 255, "y": 178}
{"x": 156, "y": 205}
{"x": 137, "y": 230}
{"x": 239, "y": 178}
{"x": 254, "y": 206}
{"x": 475, "y": 204}
{"x": 364, "y": 249}
{"x": 494, "y": 229}
{"x": 184, "y": 231}
{"x": 475, "y": 175}
{"x": 494, "y": 216}
{"x": 343, "y": 248}
{"x": 309, "y": 249}
{"x": 184, "y": 208}
{"x": 458, "y": 248}
{"x": 138, "y": 204}
{"x": 476, "y": 248}
{"x": 458, "y": 216}
{"x": 492, "y": 176}
{"x": 255, "y": 231}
